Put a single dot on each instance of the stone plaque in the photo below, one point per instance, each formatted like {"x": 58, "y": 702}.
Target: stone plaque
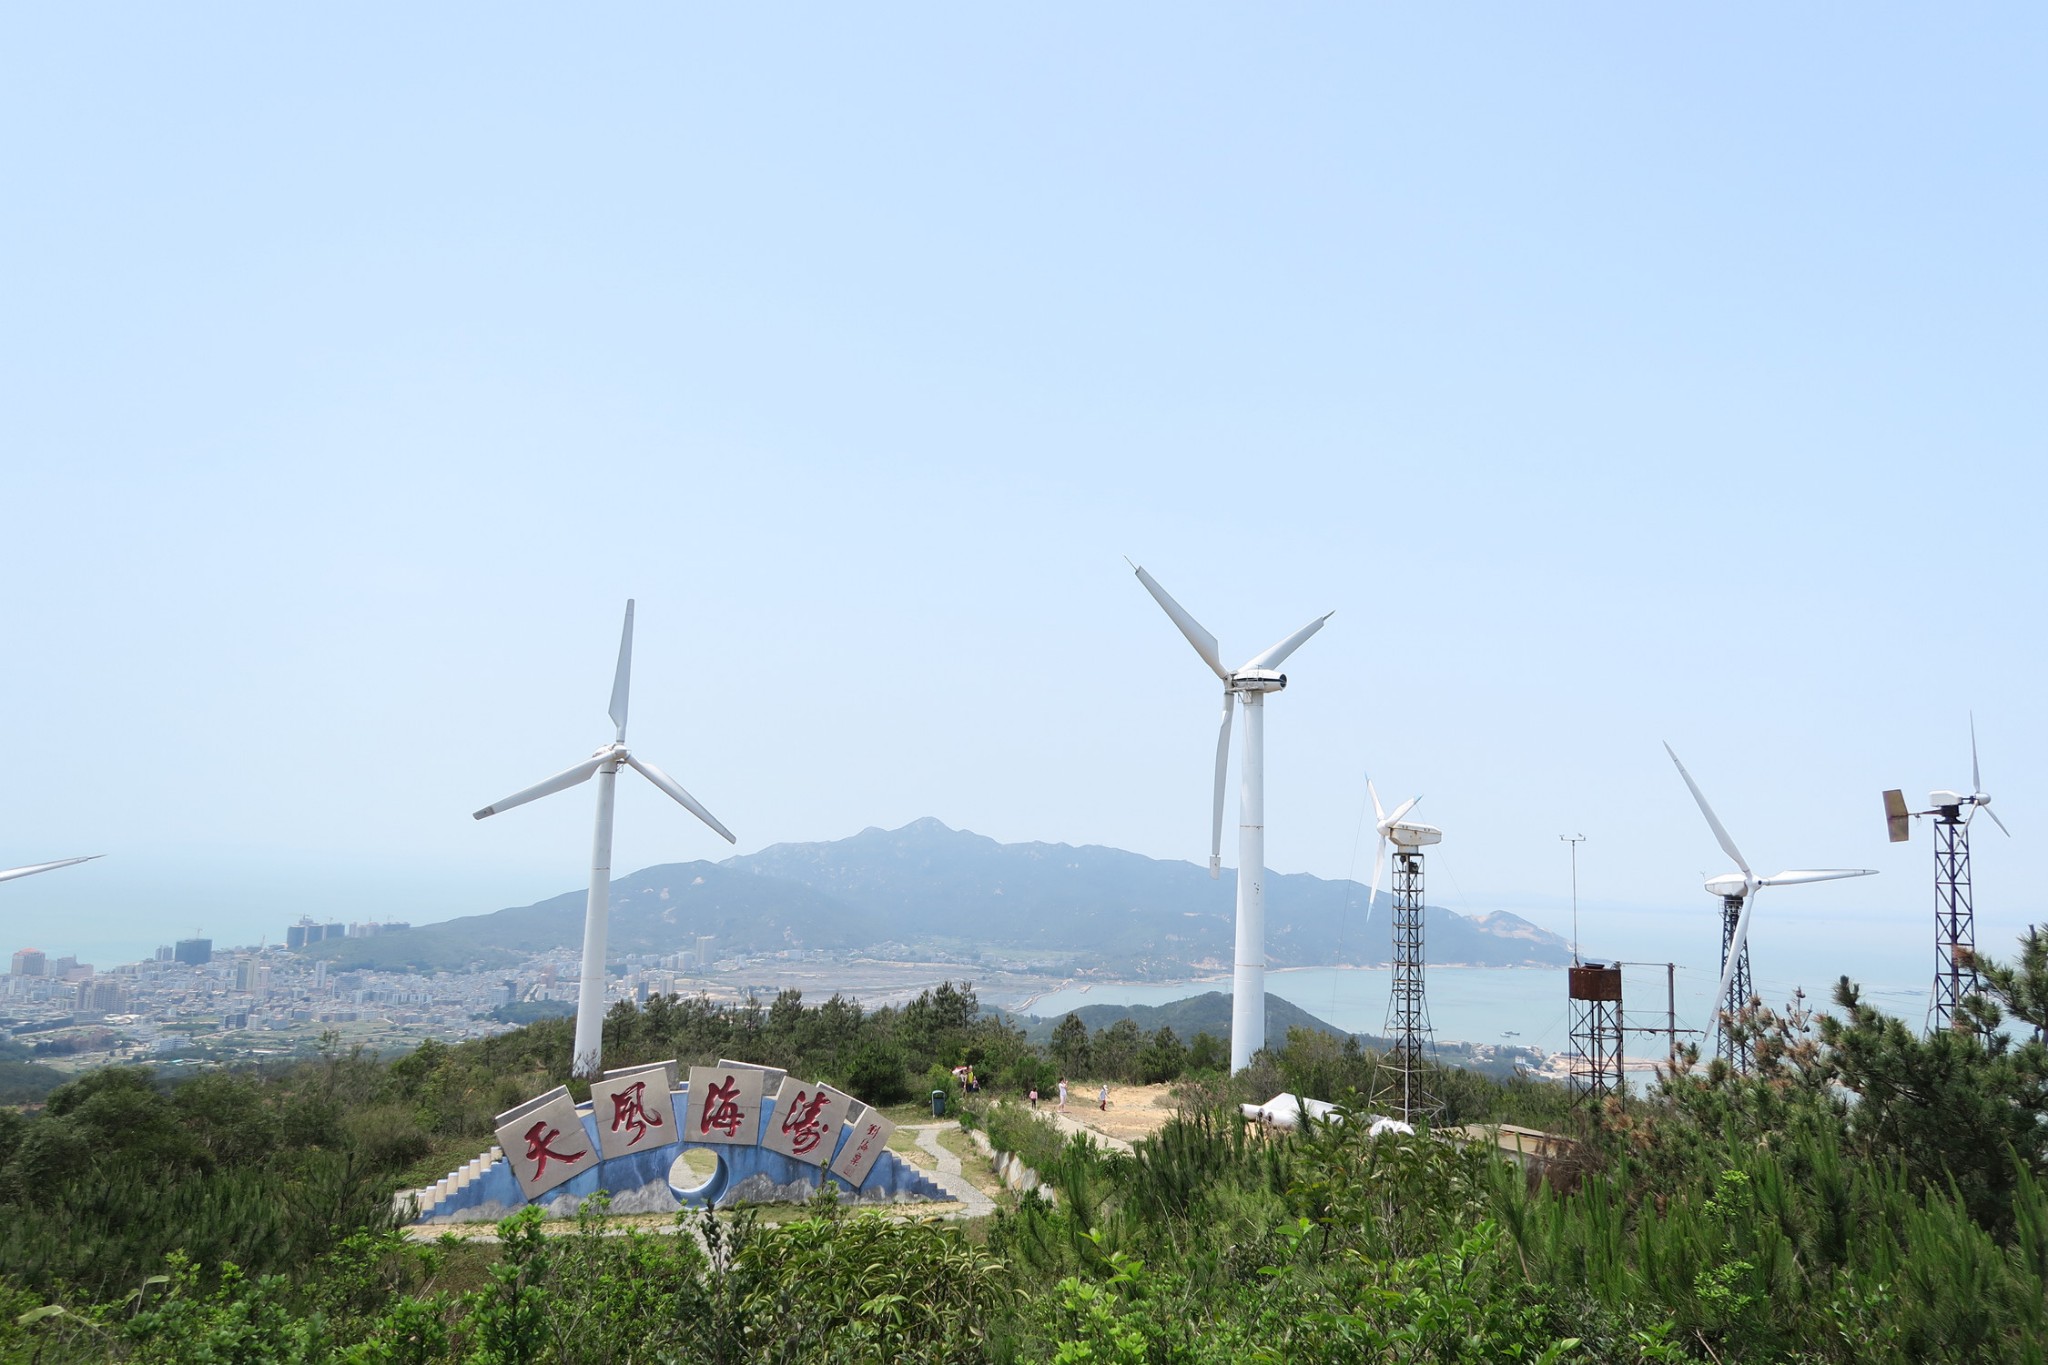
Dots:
{"x": 773, "y": 1074}
{"x": 725, "y": 1105}
{"x": 864, "y": 1147}
{"x": 634, "y": 1110}
{"x": 545, "y": 1142}
{"x": 806, "y": 1122}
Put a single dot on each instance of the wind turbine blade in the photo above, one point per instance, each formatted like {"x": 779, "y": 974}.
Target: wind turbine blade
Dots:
{"x": 622, "y": 681}
{"x": 11, "y": 873}
{"x": 1402, "y": 810}
{"x": 681, "y": 797}
{"x": 1976, "y": 778}
{"x": 1379, "y": 816}
{"x": 1202, "y": 640}
{"x": 561, "y": 781}
{"x": 1735, "y": 947}
{"x": 1996, "y": 821}
{"x": 1831, "y": 875}
{"x": 1727, "y": 844}
{"x": 1277, "y": 655}
{"x": 1222, "y": 779}
{"x": 1379, "y": 865}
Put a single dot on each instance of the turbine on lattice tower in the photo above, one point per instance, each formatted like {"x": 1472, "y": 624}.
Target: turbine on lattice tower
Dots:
{"x": 1738, "y": 892}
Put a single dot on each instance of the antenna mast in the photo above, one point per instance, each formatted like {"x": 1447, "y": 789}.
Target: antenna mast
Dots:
{"x": 1575, "y": 840}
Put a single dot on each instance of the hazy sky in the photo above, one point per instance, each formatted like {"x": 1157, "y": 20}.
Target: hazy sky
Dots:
{"x": 1617, "y": 374}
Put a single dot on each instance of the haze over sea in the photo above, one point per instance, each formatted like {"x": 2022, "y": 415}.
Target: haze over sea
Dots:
{"x": 1481, "y": 1004}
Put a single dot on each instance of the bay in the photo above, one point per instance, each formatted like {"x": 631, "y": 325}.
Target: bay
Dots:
{"x": 1523, "y": 1006}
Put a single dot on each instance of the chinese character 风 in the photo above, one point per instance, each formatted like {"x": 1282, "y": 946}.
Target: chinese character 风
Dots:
{"x": 629, "y": 1110}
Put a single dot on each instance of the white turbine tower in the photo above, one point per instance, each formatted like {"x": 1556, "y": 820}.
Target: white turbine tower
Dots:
{"x": 604, "y": 765}
{"x": 1248, "y": 687}
{"x": 9, "y": 874}
{"x": 1738, "y": 893}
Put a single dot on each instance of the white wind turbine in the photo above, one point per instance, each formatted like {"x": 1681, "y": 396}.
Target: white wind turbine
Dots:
{"x": 604, "y": 765}
{"x": 9, "y": 874}
{"x": 1393, "y": 829}
{"x": 1738, "y": 893}
{"x": 1247, "y": 686}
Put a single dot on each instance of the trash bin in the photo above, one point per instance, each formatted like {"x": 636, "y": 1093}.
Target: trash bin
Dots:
{"x": 938, "y": 1104}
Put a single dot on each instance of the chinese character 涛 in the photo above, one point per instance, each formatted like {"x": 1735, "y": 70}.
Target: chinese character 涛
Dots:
{"x": 721, "y": 1109}
{"x": 539, "y": 1153}
{"x": 630, "y": 1111}
{"x": 802, "y": 1121}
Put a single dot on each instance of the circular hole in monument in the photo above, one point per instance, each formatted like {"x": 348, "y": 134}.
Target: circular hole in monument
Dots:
{"x": 694, "y": 1169}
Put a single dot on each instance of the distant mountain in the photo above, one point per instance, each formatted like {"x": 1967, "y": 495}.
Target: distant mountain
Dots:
{"x": 926, "y": 884}
{"x": 656, "y": 910}
{"x": 1207, "y": 1013}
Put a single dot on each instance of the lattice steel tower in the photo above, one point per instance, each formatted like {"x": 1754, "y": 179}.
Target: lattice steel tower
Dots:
{"x": 1596, "y": 1030}
{"x": 1739, "y": 993}
{"x": 1411, "y": 1053}
{"x": 1955, "y": 918}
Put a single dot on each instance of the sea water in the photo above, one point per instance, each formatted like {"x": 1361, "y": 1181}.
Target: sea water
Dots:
{"x": 1521, "y": 1006}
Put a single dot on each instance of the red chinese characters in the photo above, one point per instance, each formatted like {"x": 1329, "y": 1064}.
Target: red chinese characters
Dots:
{"x": 864, "y": 1149}
{"x": 635, "y": 1110}
{"x": 630, "y": 1112}
{"x": 540, "y": 1153}
{"x": 721, "y": 1108}
{"x": 545, "y": 1142}
{"x": 808, "y": 1120}
{"x": 725, "y": 1105}
{"x": 802, "y": 1124}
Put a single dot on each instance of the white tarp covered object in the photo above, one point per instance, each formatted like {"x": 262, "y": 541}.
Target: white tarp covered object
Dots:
{"x": 1285, "y": 1109}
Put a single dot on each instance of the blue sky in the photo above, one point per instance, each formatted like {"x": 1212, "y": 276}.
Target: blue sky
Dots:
{"x": 1616, "y": 376}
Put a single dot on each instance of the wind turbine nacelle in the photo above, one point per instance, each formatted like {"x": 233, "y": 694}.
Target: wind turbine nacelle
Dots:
{"x": 1415, "y": 836}
{"x": 1942, "y": 799}
{"x": 1728, "y": 886}
{"x": 1258, "y": 680}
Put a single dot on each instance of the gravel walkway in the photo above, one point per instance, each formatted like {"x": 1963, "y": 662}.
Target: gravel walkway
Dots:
{"x": 949, "y": 1176}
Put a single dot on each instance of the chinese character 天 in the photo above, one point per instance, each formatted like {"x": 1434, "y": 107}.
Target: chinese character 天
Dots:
{"x": 539, "y": 1153}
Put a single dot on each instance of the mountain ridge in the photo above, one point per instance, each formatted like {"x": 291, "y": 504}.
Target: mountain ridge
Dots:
{"x": 927, "y": 883}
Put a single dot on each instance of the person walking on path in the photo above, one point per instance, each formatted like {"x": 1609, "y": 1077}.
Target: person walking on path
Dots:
{"x": 1034, "y": 1097}
{"x": 1063, "y": 1092}
{"x": 1102, "y": 1099}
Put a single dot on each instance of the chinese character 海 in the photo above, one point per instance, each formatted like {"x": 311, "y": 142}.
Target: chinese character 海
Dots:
{"x": 538, "y": 1151}
{"x": 629, "y": 1110}
{"x": 720, "y": 1109}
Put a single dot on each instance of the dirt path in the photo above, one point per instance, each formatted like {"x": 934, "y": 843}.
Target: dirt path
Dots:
{"x": 1135, "y": 1111}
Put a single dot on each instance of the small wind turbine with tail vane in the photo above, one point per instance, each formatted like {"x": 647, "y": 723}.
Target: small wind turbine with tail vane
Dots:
{"x": 1955, "y": 917}
{"x": 1246, "y": 686}
{"x": 604, "y": 765}
{"x": 1738, "y": 892}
